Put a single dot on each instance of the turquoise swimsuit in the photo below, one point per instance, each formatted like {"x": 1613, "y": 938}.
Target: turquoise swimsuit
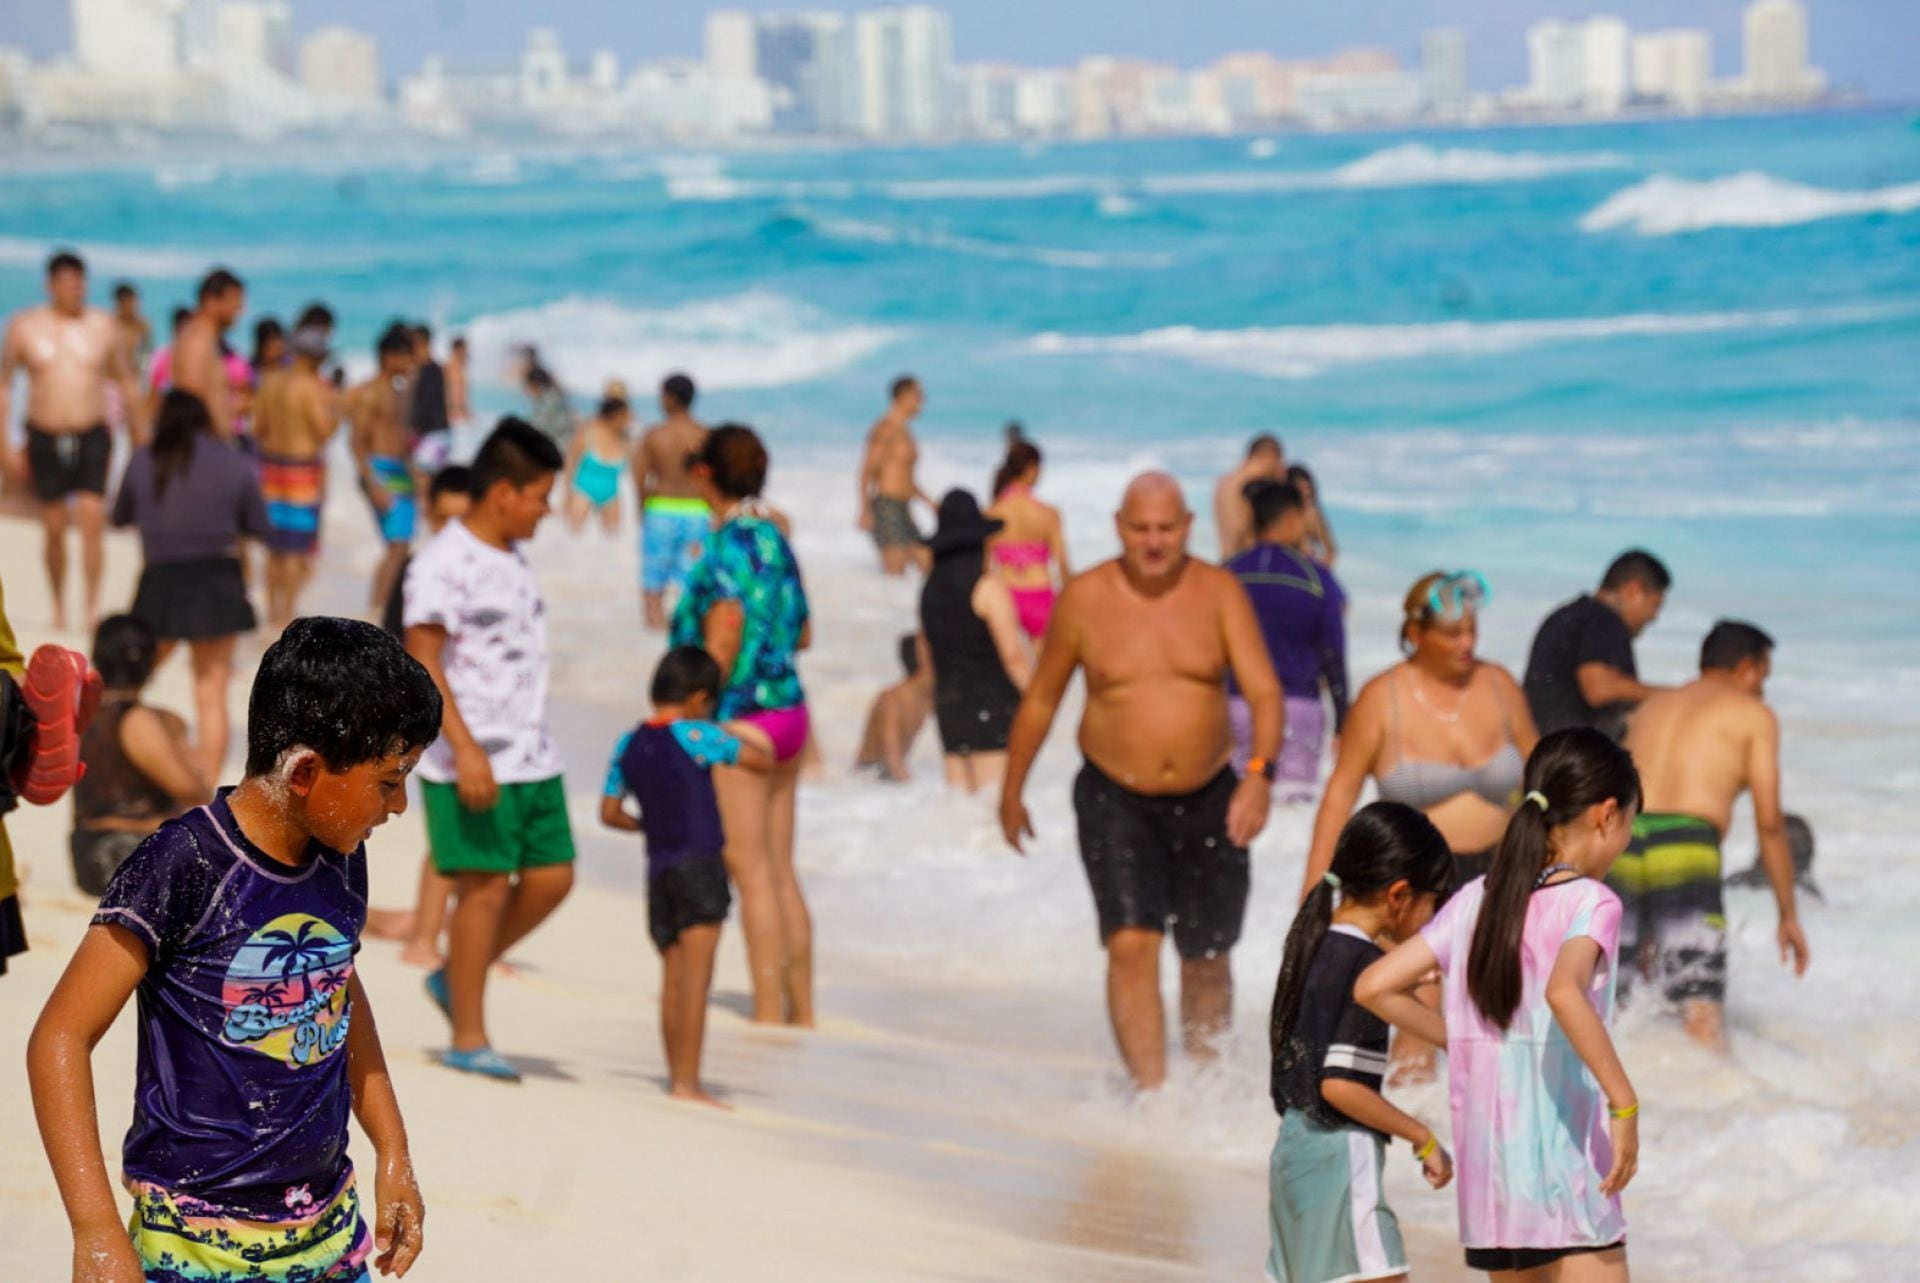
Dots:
{"x": 597, "y": 479}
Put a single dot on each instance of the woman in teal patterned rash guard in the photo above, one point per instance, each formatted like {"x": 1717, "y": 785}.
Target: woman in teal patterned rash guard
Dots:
{"x": 745, "y": 604}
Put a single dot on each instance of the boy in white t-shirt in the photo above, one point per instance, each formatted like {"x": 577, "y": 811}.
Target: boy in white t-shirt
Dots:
{"x": 495, "y": 803}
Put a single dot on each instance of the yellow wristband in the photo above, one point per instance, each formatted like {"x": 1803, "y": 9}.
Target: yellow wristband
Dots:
{"x": 1628, "y": 1112}
{"x": 1425, "y": 1152}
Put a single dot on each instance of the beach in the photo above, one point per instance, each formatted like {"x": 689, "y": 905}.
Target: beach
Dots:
{"x": 1516, "y": 352}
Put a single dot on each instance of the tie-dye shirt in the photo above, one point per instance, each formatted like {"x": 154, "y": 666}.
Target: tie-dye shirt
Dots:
{"x": 747, "y": 560}
{"x": 241, "y": 1096}
{"x": 1529, "y": 1121}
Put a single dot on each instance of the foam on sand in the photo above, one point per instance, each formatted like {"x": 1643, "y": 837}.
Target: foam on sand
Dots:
{"x": 757, "y": 339}
{"x": 1302, "y": 351}
{"x": 1664, "y": 205}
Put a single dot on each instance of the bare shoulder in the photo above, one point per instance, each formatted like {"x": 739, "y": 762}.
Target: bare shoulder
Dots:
{"x": 1374, "y": 693}
{"x": 1219, "y": 583}
{"x": 1501, "y": 678}
{"x": 1089, "y": 586}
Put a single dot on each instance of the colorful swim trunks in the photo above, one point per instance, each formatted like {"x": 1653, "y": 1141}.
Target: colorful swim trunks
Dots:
{"x": 1668, "y": 881}
{"x": 321, "y": 1239}
{"x": 396, "y": 479}
{"x": 673, "y": 534}
{"x": 293, "y": 489}
{"x": 893, "y": 523}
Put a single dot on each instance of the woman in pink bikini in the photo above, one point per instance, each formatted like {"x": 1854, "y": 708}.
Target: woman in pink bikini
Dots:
{"x": 1032, "y": 545}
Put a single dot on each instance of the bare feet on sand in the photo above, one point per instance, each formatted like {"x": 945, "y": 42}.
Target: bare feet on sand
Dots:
{"x": 697, "y": 1096}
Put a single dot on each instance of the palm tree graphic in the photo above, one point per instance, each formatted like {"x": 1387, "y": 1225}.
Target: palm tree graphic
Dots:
{"x": 268, "y": 995}
{"x": 297, "y": 954}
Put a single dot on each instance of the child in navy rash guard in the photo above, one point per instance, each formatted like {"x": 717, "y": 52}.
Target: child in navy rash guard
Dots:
{"x": 664, "y": 766}
{"x": 237, "y": 926}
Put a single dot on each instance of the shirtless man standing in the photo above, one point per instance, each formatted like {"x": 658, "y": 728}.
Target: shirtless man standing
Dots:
{"x": 1232, "y": 515}
{"x": 459, "y": 410}
{"x": 136, "y": 336}
{"x": 294, "y": 417}
{"x": 70, "y": 352}
{"x": 199, "y": 362}
{"x": 1699, "y": 747}
{"x": 382, "y": 454}
{"x": 887, "y": 484}
{"x": 1164, "y": 824}
{"x": 674, "y": 519}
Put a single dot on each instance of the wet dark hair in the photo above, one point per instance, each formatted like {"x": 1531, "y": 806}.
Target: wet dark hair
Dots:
{"x": 182, "y": 418}
{"x": 736, "y": 459}
{"x": 455, "y": 478}
{"x": 1732, "y": 642}
{"x": 125, "y": 289}
{"x": 459, "y": 341}
{"x": 1021, "y": 455}
{"x": 1265, "y": 441}
{"x": 900, "y": 386}
{"x": 1573, "y": 769}
{"x": 181, "y": 315}
{"x": 218, "y": 282}
{"x": 1384, "y": 843}
{"x": 910, "y": 653}
{"x": 679, "y": 389}
{"x": 1637, "y": 566}
{"x": 124, "y": 647}
{"x": 315, "y": 314}
{"x": 265, "y": 330}
{"x": 1297, "y": 472}
{"x": 515, "y": 452}
{"x": 1272, "y": 500}
{"x": 348, "y": 690}
{"x": 396, "y": 341}
{"x": 421, "y": 334}
{"x": 686, "y": 671}
{"x": 612, "y": 405}
{"x": 65, "y": 261}
{"x": 538, "y": 377}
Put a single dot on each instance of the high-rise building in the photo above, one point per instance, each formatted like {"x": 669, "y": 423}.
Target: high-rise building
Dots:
{"x": 341, "y": 67}
{"x": 1443, "y": 59}
{"x": 730, "y": 45}
{"x": 252, "y": 36}
{"x": 1608, "y": 75}
{"x": 1776, "y": 51}
{"x": 1673, "y": 67}
{"x": 543, "y": 69}
{"x": 905, "y": 59}
{"x": 1556, "y": 64}
{"x": 126, "y": 37}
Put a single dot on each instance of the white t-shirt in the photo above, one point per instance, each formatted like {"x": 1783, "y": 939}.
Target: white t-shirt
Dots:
{"x": 496, "y": 652}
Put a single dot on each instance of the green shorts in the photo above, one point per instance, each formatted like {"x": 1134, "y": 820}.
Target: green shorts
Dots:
{"x": 1329, "y": 1220}
{"x": 526, "y": 828}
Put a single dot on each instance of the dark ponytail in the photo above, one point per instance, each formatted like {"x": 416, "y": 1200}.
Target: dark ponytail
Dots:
{"x": 1384, "y": 843}
{"x": 182, "y": 418}
{"x": 1573, "y": 769}
{"x": 1021, "y": 455}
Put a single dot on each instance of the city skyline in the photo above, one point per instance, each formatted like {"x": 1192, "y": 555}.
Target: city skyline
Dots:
{"x": 1850, "y": 42}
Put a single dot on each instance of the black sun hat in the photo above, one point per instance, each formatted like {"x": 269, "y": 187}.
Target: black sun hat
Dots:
{"x": 962, "y": 524}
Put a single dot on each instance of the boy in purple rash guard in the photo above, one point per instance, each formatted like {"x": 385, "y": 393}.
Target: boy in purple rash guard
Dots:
{"x": 1301, "y": 609}
{"x": 237, "y": 926}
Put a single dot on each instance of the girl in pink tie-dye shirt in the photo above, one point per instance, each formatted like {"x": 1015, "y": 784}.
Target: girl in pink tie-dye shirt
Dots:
{"x": 1545, "y": 1122}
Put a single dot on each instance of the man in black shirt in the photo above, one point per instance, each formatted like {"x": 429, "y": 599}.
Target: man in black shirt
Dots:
{"x": 428, "y": 412}
{"x": 1581, "y": 670}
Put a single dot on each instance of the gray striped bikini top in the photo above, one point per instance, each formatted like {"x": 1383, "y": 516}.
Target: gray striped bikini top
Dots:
{"x": 1425, "y": 785}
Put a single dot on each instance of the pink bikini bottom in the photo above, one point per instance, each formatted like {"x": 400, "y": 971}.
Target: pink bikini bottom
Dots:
{"x": 786, "y": 727}
{"x": 1035, "y": 607}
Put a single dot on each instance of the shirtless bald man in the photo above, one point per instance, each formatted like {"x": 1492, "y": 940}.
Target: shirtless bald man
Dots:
{"x": 887, "y": 483}
{"x": 1164, "y": 824}
{"x": 1699, "y": 747}
{"x": 70, "y": 352}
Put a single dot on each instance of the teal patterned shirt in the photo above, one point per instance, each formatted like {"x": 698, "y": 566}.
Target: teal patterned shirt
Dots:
{"x": 747, "y": 560}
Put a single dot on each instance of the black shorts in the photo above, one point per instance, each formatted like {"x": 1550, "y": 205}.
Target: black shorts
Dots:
{"x": 976, "y": 722}
{"x": 65, "y": 463}
{"x": 1160, "y": 862}
{"x": 693, "y": 894}
{"x": 1526, "y": 1258}
{"x": 194, "y": 600}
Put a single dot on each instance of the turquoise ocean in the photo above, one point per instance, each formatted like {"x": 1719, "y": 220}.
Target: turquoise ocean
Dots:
{"x": 1514, "y": 350}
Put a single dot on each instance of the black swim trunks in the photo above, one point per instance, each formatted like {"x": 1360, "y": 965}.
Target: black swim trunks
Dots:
{"x": 1502, "y": 1259}
{"x": 686, "y": 895}
{"x": 66, "y": 463}
{"x": 1163, "y": 862}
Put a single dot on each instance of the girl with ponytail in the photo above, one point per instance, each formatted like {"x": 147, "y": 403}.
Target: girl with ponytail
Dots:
{"x": 1328, "y": 1218}
{"x": 1030, "y": 552}
{"x": 1544, "y": 1116}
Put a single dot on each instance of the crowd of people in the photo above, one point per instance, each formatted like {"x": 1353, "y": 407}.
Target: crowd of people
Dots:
{"x": 1211, "y": 689}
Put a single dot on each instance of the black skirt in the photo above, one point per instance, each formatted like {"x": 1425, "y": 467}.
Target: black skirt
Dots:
{"x": 194, "y": 600}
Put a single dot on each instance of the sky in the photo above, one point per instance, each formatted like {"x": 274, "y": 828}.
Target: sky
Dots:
{"x": 1869, "y": 45}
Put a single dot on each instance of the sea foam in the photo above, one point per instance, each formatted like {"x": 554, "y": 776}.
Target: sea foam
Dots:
{"x": 757, "y": 339}
{"x": 1302, "y": 351}
{"x": 1664, "y": 205}
{"x": 862, "y": 231}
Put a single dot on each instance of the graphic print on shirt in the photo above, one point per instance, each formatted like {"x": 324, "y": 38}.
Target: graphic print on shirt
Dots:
{"x": 286, "y": 991}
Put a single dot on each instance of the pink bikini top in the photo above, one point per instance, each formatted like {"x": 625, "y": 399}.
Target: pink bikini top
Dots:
{"x": 1022, "y": 554}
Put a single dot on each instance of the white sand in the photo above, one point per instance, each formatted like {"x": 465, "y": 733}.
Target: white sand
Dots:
{"x": 875, "y": 1148}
